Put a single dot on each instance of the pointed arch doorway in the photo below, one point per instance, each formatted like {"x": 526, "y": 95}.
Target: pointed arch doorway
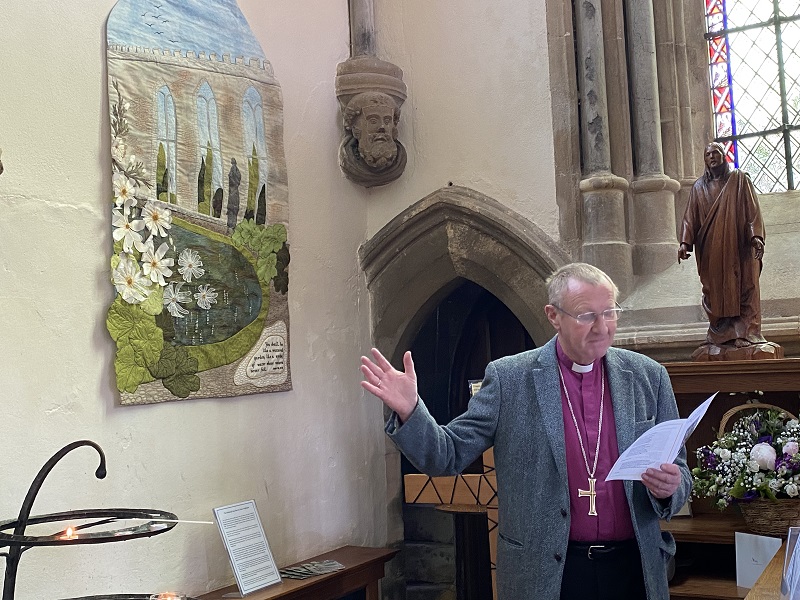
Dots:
{"x": 461, "y": 335}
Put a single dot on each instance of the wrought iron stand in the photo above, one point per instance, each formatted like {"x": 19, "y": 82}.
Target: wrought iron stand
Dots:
{"x": 154, "y": 523}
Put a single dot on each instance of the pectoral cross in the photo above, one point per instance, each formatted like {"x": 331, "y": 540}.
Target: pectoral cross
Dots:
{"x": 592, "y": 496}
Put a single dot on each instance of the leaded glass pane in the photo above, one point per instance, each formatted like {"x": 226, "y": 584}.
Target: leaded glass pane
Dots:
{"x": 794, "y": 141}
{"x": 789, "y": 8}
{"x": 790, "y": 36}
{"x": 719, "y": 75}
{"x": 723, "y": 124}
{"x": 747, "y": 12}
{"x": 763, "y": 159}
{"x": 756, "y": 87}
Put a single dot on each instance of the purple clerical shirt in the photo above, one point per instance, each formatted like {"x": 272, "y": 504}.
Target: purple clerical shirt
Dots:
{"x": 613, "y": 520}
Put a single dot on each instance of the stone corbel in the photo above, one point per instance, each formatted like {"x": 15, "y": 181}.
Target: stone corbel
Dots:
{"x": 370, "y": 92}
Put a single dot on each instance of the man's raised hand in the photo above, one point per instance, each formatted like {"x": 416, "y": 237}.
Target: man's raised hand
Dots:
{"x": 396, "y": 389}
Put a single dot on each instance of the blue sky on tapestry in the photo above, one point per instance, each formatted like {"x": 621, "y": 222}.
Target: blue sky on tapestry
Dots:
{"x": 195, "y": 25}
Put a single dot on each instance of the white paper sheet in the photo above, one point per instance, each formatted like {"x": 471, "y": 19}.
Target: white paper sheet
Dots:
{"x": 753, "y": 553}
{"x": 658, "y": 445}
{"x": 247, "y": 546}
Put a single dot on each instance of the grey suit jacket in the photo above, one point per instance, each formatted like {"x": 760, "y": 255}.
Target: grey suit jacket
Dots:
{"x": 518, "y": 411}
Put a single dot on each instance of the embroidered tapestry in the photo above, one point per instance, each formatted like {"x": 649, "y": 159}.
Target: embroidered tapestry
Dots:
{"x": 200, "y": 204}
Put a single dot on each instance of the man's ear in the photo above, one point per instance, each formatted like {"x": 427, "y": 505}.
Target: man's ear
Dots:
{"x": 552, "y": 315}
{"x": 356, "y": 132}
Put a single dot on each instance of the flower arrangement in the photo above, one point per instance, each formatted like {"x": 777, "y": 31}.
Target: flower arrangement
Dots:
{"x": 758, "y": 458}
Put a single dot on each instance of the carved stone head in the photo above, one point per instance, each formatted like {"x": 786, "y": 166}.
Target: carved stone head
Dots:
{"x": 371, "y": 118}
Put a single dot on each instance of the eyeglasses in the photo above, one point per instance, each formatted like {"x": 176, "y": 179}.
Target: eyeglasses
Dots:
{"x": 588, "y": 318}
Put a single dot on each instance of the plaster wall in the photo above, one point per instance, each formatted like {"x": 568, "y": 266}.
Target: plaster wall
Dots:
{"x": 311, "y": 458}
{"x": 478, "y": 112}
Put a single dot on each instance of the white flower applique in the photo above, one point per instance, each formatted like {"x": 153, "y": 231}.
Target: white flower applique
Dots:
{"x": 155, "y": 265}
{"x": 129, "y": 280}
{"x": 190, "y": 265}
{"x": 124, "y": 192}
{"x": 127, "y": 231}
{"x": 174, "y": 297}
{"x": 205, "y": 296}
{"x": 156, "y": 219}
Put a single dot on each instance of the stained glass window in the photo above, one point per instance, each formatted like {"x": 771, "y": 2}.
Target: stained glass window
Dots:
{"x": 754, "y": 71}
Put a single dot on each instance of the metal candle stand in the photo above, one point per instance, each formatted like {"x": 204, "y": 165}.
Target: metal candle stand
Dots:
{"x": 18, "y": 542}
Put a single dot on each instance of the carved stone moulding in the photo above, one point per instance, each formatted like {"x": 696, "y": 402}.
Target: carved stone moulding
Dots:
{"x": 370, "y": 92}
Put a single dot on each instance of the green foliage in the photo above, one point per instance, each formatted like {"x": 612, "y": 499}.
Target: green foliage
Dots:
{"x": 281, "y": 280}
{"x": 161, "y": 170}
{"x": 208, "y": 182}
{"x": 201, "y": 185}
{"x": 252, "y": 182}
{"x": 177, "y": 371}
{"x": 139, "y": 343}
{"x": 244, "y": 233}
{"x": 272, "y": 238}
{"x": 119, "y": 123}
{"x": 268, "y": 244}
{"x": 265, "y": 267}
{"x": 154, "y": 304}
{"x": 129, "y": 374}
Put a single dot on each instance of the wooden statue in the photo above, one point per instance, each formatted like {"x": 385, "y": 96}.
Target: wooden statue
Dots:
{"x": 723, "y": 225}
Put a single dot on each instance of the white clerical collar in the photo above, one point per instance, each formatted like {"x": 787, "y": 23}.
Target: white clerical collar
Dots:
{"x": 582, "y": 368}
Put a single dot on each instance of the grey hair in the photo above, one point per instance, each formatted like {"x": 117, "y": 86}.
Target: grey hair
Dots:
{"x": 558, "y": 282}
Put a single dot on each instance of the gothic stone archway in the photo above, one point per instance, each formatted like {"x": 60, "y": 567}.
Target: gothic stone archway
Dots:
{"x": 456, "y": 232}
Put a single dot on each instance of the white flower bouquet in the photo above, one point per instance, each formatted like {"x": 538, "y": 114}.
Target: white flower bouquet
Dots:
{"x": 758, "y": 458}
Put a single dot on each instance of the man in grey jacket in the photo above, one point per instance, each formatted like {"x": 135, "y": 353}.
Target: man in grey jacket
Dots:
{"x": 558, "y": 418}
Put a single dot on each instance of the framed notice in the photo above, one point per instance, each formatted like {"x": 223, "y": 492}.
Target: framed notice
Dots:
{"x": 247, "y": 546}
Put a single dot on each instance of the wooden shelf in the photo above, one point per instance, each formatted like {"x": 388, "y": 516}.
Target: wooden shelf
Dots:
{"x": 710, "y": 528}
{"x": 780, "y": 375}
{"x": 697, "y": 585}
{"x": 363, "y": 568}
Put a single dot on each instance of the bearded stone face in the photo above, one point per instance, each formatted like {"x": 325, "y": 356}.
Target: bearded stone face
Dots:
{"x": 374, "y": 129}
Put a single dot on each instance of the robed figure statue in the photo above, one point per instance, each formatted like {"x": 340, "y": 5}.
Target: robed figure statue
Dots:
{"x": 723, "y": 225}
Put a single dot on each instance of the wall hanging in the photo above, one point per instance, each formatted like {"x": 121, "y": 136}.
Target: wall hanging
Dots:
{"x": 200, "y": 204}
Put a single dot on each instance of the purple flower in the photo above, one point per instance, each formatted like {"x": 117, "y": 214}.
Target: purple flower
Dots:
{"x": 764, "y": 438}
{"x": 750, "y": 495}
{"x": 708, "y": 459}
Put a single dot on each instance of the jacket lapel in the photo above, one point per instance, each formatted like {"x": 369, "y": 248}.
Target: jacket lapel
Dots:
{"x": 548, "y": 395}
{"x": 621, "y": 382}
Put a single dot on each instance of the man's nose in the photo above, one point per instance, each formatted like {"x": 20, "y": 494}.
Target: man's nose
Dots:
{"x": 600, "y": 325}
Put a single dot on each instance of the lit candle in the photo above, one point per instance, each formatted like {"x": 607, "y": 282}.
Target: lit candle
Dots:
{"x": 69, "y": 534}
{"x": 168, "y": 596}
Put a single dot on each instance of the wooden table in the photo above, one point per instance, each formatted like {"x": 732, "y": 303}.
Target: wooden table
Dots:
{"x": 768, "y": 586}
{"x": 363, "y": 567}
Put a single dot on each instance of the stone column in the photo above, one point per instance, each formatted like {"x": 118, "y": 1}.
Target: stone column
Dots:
{"x": 603, "y": 193}
{"x": 653, "y": 192}
{"x": 362, "y": 28}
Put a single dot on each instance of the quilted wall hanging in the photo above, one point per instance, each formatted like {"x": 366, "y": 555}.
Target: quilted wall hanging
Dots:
{"x": 200, "y": 204}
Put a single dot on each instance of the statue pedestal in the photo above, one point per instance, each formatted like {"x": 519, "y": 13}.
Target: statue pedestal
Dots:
{"x": 762, "y": 351}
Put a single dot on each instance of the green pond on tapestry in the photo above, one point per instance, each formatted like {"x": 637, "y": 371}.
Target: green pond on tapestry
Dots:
{"x": 235, "y": 280}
